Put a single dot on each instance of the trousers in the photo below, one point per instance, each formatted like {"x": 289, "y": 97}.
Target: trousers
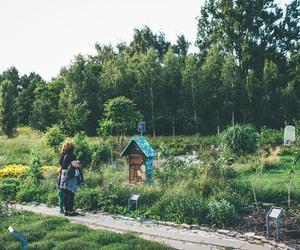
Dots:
{"x": 69, "y": 200}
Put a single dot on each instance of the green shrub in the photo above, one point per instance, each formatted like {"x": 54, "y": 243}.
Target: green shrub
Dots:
{"x": 181, "y": 207}
{"x": 220, "y": 213}
{"x": 29, "y": 192}
{"x": 52, "y": 198}
{"x": 93, "y": 179}
{"x": 54, "y": 137}
{"x": 240, "y": 139}
{"x": 268, "y": 139}
{"x": 8, "y": 191}
{"x": 82, "y": 148}
{"x": 114, "y": 198}
{"x": 88, "y": 198}
{"x": 101, "y": 154}
{"x": 35, "y": 165}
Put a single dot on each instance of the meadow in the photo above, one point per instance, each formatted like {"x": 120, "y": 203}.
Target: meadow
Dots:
{"x": 212, "y": 192}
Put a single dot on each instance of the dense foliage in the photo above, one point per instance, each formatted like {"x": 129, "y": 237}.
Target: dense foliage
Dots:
{"x": 245, "y": 71}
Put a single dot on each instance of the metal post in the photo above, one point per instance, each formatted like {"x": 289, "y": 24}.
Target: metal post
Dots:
{"x": 19, "y": 236}
{"x": 129, "y": 203}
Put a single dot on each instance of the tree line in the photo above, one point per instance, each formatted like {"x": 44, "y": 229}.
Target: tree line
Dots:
{"x": 246, "y": 70}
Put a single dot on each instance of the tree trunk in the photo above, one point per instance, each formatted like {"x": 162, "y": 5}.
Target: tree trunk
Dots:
{"x": 152, "y": 109}
{"x": 194, "y": 102}
{"x": 173, "y": 125}
{"x": 218, "y": 125}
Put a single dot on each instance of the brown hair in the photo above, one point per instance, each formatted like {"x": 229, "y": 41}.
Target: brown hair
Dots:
{"x": 67, "y": 147}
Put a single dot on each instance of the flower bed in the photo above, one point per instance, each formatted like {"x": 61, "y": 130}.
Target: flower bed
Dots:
{"x": 21, "y": 171}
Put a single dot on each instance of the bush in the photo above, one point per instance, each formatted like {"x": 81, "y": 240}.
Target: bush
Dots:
{"x": 240, "y": 139}
{"x": 114, "y": 198}
{"x": 54, "y": 137}
{"x": 181, "y": 207}
{"x": 101, "y": 154}
{"x": 82, "y": 148}
{"x": 8, "y": 190}
{"x": 220, "y": 213}
{"x": 52, "y": 198}
{"x": 88, "y": 198}
{"x": 268, "y": 139}
{"x": 30, "y": 191}
{"x": 35, "y": 170}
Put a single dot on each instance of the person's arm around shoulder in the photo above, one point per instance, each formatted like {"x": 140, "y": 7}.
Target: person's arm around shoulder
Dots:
{"x": 75, "y": 164}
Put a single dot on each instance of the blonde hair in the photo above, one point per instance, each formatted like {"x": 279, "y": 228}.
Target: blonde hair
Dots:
{"x": 66, "y": 147}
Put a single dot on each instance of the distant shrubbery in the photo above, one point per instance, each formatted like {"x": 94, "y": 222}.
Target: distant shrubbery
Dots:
{"x": 240, "y": 139}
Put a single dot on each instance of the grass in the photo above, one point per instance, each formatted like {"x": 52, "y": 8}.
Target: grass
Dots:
{"x": 48, "y": 232}
{"x": 271, "y": 184}
{"x": 18, "y": 149}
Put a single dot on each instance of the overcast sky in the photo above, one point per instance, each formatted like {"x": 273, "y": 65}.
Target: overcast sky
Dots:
{"x": 44, "y": 35}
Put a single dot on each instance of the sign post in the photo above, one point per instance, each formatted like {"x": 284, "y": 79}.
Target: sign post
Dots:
{"x": 133, "y": 197}
{"x": 19, "y": 236}
{"x": 276, "y": 214}
{"x": 142, "y": 127}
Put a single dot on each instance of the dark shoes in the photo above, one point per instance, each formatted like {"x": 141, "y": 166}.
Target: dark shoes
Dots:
{"x": 71, "y": 213}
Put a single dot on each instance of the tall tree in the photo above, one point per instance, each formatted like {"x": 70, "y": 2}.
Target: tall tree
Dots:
{"x": 212, "y": 101}
{"x": 172, "y": 79}
{"x": 232, "y": 84}
{"x": 8, "y": 121}
{"x": 190, "y": 82}
{"x": 81, "y": 81}
{"x": 26, "y": 97}
{"x": 45, "y": 110}
{"x": 146, "y": 69}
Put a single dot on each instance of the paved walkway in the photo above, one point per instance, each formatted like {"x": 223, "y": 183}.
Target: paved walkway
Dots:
{"x": 172, "y": 236}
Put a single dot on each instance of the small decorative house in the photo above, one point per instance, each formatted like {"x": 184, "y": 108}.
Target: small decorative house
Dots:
{"x": 140, "y": 155}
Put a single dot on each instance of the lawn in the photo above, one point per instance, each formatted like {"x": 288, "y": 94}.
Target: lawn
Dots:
{"x": 49, "y": 232}
{"x": 272, "y": 182}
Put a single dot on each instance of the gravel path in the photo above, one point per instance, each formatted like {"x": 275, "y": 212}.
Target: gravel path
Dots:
{"x": 179, "y": 238}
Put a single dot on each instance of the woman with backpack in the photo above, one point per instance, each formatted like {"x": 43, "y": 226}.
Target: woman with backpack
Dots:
{"x": 70, "y": 178}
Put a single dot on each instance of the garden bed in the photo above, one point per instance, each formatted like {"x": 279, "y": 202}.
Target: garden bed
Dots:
{"x": 253, "y": 220}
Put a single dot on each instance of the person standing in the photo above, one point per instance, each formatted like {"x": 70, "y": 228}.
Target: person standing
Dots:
{"x": 69, "y": 182}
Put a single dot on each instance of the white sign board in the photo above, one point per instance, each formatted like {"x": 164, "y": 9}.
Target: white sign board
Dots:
{"x": 289, "y": 135}
{"x": 135, "y": 197}
{"x": 275, "y": 213}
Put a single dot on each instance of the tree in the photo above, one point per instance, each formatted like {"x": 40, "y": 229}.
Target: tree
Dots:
{"x": 232, "y": 85}
{"x": 75, "y": 119}
{"x": 123, "y": 114}
{"x": 82, "y": 85}
{"x": 144, "y": 39}
{"x": 171, "y": 75}
{"x": 45, "y": 111}
{"x": 146, "y": 69}
{"x": 212, "y": 90}
{"x": 8, "y": 120}
{"x": 26, "y": 97}
{"x": 190, "y": 82}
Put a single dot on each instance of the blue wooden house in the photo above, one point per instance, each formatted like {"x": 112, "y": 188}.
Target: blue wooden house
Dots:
{"x": 140, "y": 155}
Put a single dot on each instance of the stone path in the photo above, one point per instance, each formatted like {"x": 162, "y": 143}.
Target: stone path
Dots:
{"x": 179, "y": 238}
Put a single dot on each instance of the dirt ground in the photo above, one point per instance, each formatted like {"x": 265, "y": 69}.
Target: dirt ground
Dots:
{"x": 254, "y": 220}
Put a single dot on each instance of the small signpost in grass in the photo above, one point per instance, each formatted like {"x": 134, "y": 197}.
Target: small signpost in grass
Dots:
{"x": 20, "y": 237}
{"x": 275, "y": 213}
{"x": 135, "y": 198}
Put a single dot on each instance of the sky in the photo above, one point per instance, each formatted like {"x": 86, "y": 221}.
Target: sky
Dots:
{"x": 45, "y": 35}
